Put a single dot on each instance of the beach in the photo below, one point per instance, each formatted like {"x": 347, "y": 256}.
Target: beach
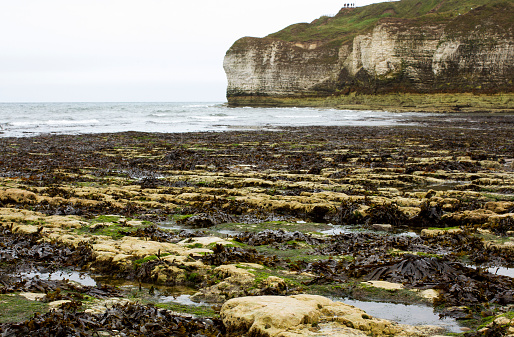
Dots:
{"x": 419, "y": 212}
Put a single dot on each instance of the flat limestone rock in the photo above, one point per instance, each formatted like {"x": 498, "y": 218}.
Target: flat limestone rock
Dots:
{"x": 32, "y": 296}
{"x": 57, "y": 304}
{"x": 430, "y": 233}
{"x": 384, "y": 285}
{"x": 307, "y": 315}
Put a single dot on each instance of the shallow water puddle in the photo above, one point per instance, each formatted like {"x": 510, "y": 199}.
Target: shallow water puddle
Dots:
{"x": 212, "y": 230}
{"x": 59, "y": 275}
{"x": 180, "y": 299}
{"x": 336, "y": 230}
{"x": 502, "y": 271}
{"x": 332, "y": 230}
{"x": 405, "y": 314}
{"x": 170, "y": 226}
{"x": 345, "y": 229}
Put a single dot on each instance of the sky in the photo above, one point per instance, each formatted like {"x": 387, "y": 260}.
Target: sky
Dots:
{"x": 133, "y": 50}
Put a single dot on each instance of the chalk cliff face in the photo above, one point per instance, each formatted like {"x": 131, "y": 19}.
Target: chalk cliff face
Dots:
{"x": 466, "y": 53}
{"x": 274, "y": 67}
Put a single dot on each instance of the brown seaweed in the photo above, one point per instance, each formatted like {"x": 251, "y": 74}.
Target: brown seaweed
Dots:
{"x": 27, "y": 249}
{"x": 123, "y": 320}
{"x": 413, "y": 269}
{"x": 225, "y": 255}
{"x": 269, "y": 236}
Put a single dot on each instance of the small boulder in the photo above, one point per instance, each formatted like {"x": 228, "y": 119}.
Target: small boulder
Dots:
{"x": 502, "y": 320}
{"x": 202, "y": 220}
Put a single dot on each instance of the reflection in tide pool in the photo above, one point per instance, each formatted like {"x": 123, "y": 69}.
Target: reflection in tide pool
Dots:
{"x": 405, "y": 314}
{"x": 180, "y": 299}
{"x": 502, "y": 271}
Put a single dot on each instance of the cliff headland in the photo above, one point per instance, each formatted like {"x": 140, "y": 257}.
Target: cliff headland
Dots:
{"x": 440, "y": 55}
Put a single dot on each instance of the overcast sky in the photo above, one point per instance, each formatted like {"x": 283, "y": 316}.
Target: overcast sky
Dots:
{"x": 132, "y": 50}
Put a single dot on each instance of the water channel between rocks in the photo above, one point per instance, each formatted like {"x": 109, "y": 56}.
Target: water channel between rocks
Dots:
{"x": 330, "y": 229}
{"x": 79, "y": 277}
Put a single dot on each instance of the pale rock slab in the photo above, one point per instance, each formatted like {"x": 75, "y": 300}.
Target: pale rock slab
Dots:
{"x": 307, "y": 315}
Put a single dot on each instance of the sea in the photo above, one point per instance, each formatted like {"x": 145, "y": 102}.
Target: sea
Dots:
{"x": 31, "y": 119}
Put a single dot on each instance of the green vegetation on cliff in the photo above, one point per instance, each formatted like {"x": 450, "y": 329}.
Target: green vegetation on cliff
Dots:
{"x": 348, "y": 23}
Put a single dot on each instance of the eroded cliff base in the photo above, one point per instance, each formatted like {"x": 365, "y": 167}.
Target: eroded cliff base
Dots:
{"x": 400, "y": 102}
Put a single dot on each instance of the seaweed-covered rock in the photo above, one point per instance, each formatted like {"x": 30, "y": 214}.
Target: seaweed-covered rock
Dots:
{"x": 198, "y": 221}
{"x": 273, "y": 286}
{"x": 224, "y": 255}
{"x": 269, "y": 236}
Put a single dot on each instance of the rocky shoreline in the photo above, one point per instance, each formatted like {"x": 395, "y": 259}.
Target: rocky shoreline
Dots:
{"x": 416, "y": 213}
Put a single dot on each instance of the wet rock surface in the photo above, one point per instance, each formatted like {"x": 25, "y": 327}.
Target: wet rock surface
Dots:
{"x": 307, "y": 315}
{"x": 307, "y": 210}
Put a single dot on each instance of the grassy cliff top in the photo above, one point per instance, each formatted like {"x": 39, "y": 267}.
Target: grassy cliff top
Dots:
{"x": 350, "y": 22}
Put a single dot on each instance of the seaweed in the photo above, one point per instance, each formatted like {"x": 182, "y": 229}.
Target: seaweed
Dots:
{"x": 26, "y": 249}
{"x": 461, "y": 166}
{"x": 126, "y": 320}
{"x": 347, "y": 213}
{"x": 429, "y": 216}
{"x": 225, "y": 255}
{"x": 501, "y": 226}
{"x": 386, "y": 213}
{"x": 413, "y": 270}
{"x": 268, "y": 236}
{"x": 154, "y": 233}
{"x": 366, "y": 244}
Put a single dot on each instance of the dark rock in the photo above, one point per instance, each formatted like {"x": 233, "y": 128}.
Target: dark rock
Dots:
{"x": 198, "y": 221}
